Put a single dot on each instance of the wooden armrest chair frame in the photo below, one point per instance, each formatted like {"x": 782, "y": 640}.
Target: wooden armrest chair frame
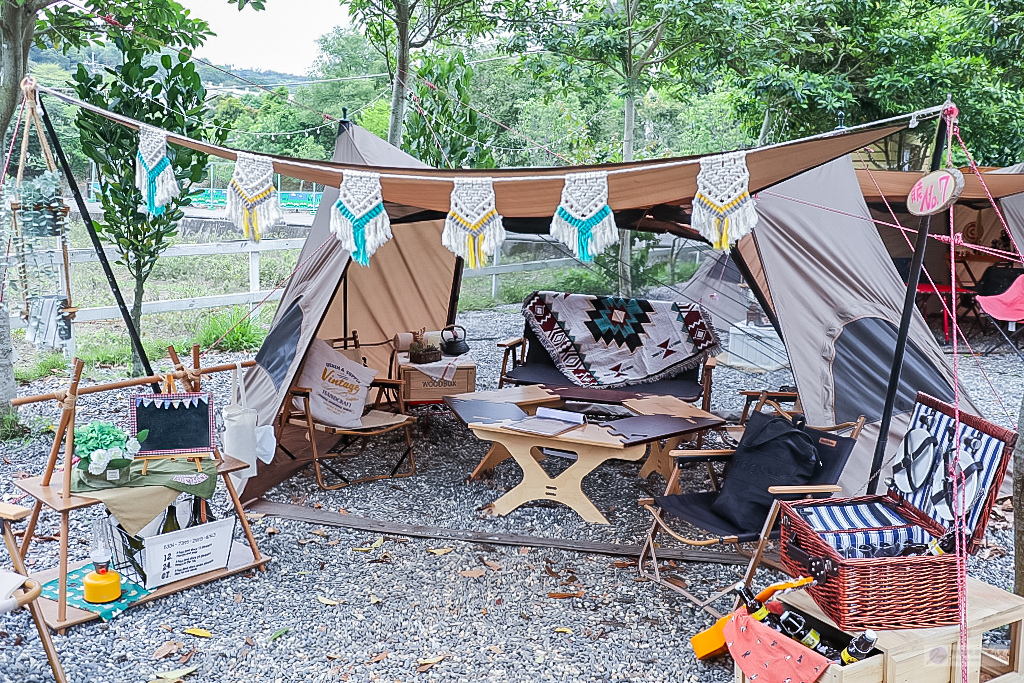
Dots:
{"x": 31, "y": 590}
{"x": 648, "y": 550}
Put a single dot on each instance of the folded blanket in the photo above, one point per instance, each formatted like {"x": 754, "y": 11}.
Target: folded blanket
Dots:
{"x": 607, "y": 341}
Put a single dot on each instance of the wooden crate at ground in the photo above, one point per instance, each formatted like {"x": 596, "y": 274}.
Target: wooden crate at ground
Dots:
{"x": 418, "y": 387}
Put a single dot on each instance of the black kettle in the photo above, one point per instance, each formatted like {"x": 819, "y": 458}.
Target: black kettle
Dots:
{"x": 456, "y": 345}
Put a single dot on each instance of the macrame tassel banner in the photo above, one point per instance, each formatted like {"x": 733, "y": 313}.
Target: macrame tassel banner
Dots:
{"x": 473, "y": 228}
{"x": 583, "y": 221}
{"x": 252, "y": 200}
{"x": 723, "y": 211}
{"x": 154, "y": 175}
{"x": 358, "y": 218}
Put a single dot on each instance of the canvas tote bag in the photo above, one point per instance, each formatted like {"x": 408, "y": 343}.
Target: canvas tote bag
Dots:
{"x": 240, "y": 431}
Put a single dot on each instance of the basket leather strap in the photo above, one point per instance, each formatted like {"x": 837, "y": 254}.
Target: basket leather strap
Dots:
{"x": 819, "y": 568}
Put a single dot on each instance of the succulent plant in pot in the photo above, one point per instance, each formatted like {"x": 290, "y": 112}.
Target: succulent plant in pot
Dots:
{"x": 420, "y": 352}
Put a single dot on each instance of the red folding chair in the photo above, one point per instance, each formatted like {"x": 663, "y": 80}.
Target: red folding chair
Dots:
{"x": 1007, "y": 307}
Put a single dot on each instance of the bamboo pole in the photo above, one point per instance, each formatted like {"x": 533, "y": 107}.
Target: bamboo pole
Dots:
{"x": 126, "y": 383}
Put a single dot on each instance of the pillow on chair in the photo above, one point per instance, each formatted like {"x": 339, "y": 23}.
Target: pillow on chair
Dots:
{"x": 774, "y": 451}
{"x": 338, "y": 385}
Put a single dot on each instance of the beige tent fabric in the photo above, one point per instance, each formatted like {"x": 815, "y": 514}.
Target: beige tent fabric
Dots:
{"x": 407, "y": 286}
{"x": 805, "y": 251}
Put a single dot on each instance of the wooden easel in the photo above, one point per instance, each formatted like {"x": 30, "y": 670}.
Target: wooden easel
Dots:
{"x": 59, "y": 497}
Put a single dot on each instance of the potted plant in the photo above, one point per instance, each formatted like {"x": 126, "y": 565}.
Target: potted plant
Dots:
{"x": 104, "y": 450}
{"x": 41, "y": 209}
{"x": 421, "y": 352}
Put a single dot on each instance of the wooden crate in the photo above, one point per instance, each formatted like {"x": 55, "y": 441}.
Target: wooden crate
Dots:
{"x": 420, "y": 388}
{"x": 932, "y": 655}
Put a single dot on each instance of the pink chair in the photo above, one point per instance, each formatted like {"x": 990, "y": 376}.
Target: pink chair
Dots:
{"x": 1007, "y": 307}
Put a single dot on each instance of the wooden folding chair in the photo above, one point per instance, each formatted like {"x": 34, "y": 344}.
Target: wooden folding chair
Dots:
{"x": 30, "y": 590}
{"x": 695, "y": 508}
{"x": 376, "y": 423}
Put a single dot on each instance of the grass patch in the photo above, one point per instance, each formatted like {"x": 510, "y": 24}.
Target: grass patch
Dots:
{"x": 240, "y": 333}
{"x": 44, "y": 366}
{"x": 113, "y": 347}
{"x": 11, "y": 427}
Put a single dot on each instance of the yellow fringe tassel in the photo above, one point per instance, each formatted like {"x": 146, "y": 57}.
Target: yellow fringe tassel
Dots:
{"x": 475, "y": 251}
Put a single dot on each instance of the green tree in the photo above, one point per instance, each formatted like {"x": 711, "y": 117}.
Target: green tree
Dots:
{"x": 631, "y": 43}
{"x": 171, "y": 98}
{"x": 397, "y": 27}
{"x": 440, "y": 130}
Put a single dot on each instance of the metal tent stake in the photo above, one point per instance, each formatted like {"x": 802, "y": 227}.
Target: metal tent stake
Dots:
{"x": 913, "y": 278}
{"x": 91, "y": 228}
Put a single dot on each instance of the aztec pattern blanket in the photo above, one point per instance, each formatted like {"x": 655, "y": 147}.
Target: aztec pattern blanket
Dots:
{"x": 607, "y": 341}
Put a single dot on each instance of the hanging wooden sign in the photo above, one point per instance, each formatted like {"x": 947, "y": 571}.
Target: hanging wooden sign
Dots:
{"x": 935, "y": 192}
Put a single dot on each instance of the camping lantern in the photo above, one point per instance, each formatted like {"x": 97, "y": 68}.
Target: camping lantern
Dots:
{"x": 102, "y": 584}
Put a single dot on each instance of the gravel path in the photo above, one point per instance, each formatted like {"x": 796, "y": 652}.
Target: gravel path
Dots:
{"x": 400, "y": 604}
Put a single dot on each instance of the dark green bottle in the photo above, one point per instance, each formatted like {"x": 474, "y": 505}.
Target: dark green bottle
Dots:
{"x": 170, "y": 520}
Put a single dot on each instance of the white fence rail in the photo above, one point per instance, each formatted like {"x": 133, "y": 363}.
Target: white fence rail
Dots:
{"x": 255, "y": 294}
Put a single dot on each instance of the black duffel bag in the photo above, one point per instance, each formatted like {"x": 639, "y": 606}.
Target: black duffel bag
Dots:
{"x": 774, "y": 451}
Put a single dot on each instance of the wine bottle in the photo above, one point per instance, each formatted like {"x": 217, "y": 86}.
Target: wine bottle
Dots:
{"x": 170, "y": 520}
{"x": 859, "y": 648}
{"x": 200, "y": 513}
{"x": 941, "y": 546}
{"x": 795, "y": 626}
{"x": 757, "y": 609}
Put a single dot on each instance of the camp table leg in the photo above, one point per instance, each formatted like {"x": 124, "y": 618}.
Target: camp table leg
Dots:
{"x": 240, "y": 511}
{"x": 62, "y": 580}
{"x": 495, "y": 456}
{"x": 566, "y": 487}
{"x": 30, "y": 530}
{"x": 659, "y": 460}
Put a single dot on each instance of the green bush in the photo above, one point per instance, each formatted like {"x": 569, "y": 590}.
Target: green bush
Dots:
{"x": 240, "y": 333}
{"x": 584, "y": 280}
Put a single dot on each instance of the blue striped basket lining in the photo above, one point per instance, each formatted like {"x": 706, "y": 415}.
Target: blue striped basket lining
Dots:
{"x": 845, "y": 526}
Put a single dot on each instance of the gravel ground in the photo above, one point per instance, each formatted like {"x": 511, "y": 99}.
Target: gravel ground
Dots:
{"x": 398, "y": 604}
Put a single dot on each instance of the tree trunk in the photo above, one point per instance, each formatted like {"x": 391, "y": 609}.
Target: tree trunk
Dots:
{"x": 17, "y": 29}
{"x": 1018, "y": 509}
{"x": 140, "y": 289}
{"x": 401, "y": 82}
{"x": 626, "y": 236}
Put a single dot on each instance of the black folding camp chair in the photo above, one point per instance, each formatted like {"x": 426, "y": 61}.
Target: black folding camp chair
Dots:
{"x": 696, "y": 508}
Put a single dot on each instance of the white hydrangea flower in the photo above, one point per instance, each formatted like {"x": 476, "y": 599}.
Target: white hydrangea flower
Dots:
{"x": 98, "y": 461}
{"x": 133, "y": 446}
{"x": 115, "y": 453}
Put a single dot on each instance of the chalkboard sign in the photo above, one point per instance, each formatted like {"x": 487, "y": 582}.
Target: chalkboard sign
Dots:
{"x": 177, "y": 423}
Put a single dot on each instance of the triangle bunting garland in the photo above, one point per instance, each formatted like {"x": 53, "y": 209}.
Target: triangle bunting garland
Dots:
{"x": 583, "y": 221}
{"x": 473, "y": 227}
{"x": 358, "y": 218}
{"x": 723, "y": 210}
{"x": 153, "y": 173}
{"x": 252, "y": 200}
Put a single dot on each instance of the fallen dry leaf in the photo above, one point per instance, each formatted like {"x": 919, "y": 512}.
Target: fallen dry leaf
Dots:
{"x": 494, "y": 566}
{"x": 622, "y": 564}
{"x": 326, "y": 601}
{"x": 187, "y": 656}
{"x": 169, "y": 647}
{"x": 560, "y": 596}
{"x": 333, "y": 656}
{"x": 334, "y": 542}
{"x": 166, "y": 627}
{"x": 373, "y": 546}
{"x": 177, "y": 673}
{"x": 675, "y": 581}
{"x": 271, "y": 530}
{"x": 198, "y": 632}
{"x": 524, "y": 551}
{"x": 319, "y": 532}
{"x": 473, "y": 573}
{"x": 440, "y": 551}
{"x": 495, "y": 649}
{"x": 378, "y": 658}
{"x": 426, "y": 664}
{"x": 383, "y": 559}
{"x": 374, "y": 599}
{"x": 304, "y": 541}
{"x": 317, "y": 506}
{"x": 249, "y": 641}
{"x": 343, "y": 511}
{"x": 563, "y": 629}
{"x": 238, "y": 597}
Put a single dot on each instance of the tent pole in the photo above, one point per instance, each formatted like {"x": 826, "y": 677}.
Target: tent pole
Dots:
{"x": 91, "y": 228}
{"x": 913, "y": 278}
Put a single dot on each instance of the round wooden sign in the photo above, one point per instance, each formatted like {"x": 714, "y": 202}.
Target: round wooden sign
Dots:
{"x": 935, "y": 192}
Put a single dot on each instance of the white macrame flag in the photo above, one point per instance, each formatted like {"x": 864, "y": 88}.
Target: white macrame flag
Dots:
{"x": 583, "y": 221}
{"x": 723, "y": 210}
{"x": 154, "y": 175}
{"x": 473, "y": 227}
{"x": 358, "y": 218}
{"x": 252, "y": 200}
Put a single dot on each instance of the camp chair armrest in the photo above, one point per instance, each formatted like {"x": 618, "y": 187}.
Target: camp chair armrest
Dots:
{"x": 30, "y": 591}
{"x": 706, "y": 455}
{"x": 806, "y": 489}
{"x": 510, "y": 345}
{"x": 386, "y": 382}
{"x": 300, "y": 391}
{"x": 711, "y": 362}
{"x": 13, "y": 513}
{"x": 510, "y": 342}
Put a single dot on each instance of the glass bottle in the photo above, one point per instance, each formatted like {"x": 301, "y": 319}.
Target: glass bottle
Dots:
{"x": 200, "y": 513}
{"x": 170, "y": 520}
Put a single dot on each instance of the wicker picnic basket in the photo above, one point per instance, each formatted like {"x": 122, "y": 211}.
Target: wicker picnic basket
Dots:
{"x": 884, "y": 593}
